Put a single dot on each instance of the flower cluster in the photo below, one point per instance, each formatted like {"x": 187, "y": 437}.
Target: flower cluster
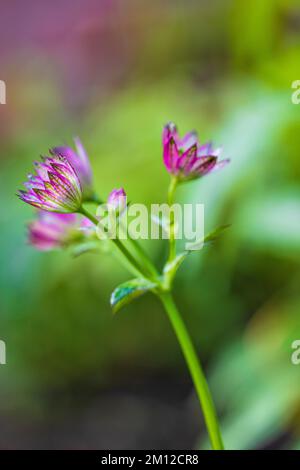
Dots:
{"x": 51, "y": 230}
{"x": 60, "y": 187}
{"x": 79, "y": 160}
{"x": 63, "y": 181}
{"x": 186, "y": 158}
{"x": 54, "y": 187}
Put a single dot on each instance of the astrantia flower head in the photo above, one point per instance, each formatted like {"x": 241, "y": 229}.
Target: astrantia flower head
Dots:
{"x": 118, "y": 200}
{"x": 80, "y": 162}
{"x": 186, "y": 158}
{"x": 51, "y": 230}
{"x": 55, "y": 186}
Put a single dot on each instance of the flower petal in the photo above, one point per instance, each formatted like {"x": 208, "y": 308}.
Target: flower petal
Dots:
{"x": 171, "y": 155}
{"x": 187, "y": 159}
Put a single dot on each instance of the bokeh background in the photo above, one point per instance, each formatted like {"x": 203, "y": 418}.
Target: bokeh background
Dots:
{"x": 114, "y": 72}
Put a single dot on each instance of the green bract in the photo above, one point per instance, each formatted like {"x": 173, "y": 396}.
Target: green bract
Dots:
{"x": 128, "y": 291}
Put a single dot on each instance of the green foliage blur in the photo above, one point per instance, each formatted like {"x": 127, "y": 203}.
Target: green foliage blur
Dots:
{"x": 224, "y": 68}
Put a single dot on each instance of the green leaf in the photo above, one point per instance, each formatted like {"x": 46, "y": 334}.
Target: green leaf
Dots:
{"x": 214, "y": 234}
{"x": 210, "y": 237}
{"x": 128, "y": 291}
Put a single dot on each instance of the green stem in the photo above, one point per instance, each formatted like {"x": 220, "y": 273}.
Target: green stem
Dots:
{"x": 143, "y": 256}
{"x": 131, "y": 259}
{"x": 172, "y": 243}
{"x": 196, "y": 371}
{"x": 94, "y": 198}
{"x": 139, "y": 250}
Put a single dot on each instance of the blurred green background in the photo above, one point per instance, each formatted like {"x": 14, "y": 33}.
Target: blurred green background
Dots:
{"x": 114, "y": 72}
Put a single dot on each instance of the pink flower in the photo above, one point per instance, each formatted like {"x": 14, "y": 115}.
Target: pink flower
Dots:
{"x": 186, "y": 158}
{"x": 55, "y": 186}
{"x": 80, "y": 162}
{"x": 118, "y": 200}
{"x": 51, "y": 230}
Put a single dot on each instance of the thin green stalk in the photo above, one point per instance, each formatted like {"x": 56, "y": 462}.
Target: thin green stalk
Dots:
{"x": 139, "y": 250}
{"x": 94, "y": 198}
{"x": 172, "y": 243}
{"x": 143, "y": 256}
{"x": 131, "y": 259}
{"x": 196, "y": 371}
